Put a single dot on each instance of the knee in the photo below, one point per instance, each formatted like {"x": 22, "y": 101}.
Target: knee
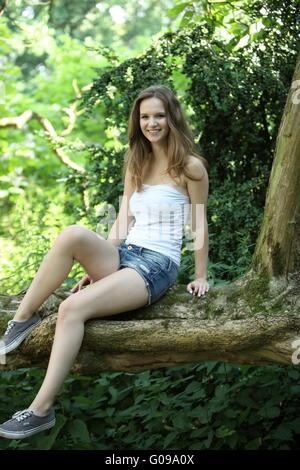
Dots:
{"x": 66, "y": 310}
{"x": 73, "y": 234}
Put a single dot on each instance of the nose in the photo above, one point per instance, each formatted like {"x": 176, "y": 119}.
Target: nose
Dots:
{"x": 152, "y": 122}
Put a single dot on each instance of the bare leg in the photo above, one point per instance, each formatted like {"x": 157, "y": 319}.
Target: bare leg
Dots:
{"x": 121, "y": 291}
{"x": 98, "y": 257}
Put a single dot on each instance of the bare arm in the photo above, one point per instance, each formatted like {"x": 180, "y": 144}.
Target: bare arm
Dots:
{"x": 198, "y": 193}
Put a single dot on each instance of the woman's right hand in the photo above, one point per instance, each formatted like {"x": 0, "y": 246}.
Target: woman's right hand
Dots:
{"x": 84, "y": 281}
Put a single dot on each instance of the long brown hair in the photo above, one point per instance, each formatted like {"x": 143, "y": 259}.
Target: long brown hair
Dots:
{"x": 180, "y": 140}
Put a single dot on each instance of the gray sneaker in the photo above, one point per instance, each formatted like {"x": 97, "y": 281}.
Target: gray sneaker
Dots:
{"x": 25, "y": 424}
{"x": 16, "y": 332}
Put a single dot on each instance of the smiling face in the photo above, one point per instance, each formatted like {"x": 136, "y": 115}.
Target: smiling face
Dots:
{"x": 153, "y": 120}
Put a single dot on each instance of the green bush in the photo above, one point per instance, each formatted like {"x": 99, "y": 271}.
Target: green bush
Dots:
{"x": 208, "y": 406}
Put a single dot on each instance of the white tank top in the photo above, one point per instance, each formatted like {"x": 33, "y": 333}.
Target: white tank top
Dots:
{"x": 161, "y": 212}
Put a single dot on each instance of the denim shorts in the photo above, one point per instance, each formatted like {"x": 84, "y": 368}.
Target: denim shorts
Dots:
{"x": 158, "y": 271}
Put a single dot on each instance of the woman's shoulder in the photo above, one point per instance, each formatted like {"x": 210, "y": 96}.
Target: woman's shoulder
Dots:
{"x": 195, "y": 167}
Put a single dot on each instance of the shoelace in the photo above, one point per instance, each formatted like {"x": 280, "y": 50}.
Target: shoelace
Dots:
{"x": 11, "y": 324}
{"x": 20, "y": 415}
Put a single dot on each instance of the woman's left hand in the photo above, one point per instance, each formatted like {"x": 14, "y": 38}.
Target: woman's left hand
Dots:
{"x": 199, "y": 286}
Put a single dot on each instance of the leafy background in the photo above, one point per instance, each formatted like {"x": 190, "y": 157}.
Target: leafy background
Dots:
{"x": 231, "y": 65}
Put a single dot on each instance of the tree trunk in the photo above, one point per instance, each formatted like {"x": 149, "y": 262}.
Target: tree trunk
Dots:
{"x": 254, "y": 320}
{"x": 277, "y": 250}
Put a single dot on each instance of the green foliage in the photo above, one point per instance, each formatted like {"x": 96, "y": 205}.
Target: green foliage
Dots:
{"x": 234, "y": 101}
{"x": 231, "y": 64}
{"x": 47, "y": 56}
{"x": 240, "y": 22}
{"x": 232, "y": 96}
{"x": 234, "y": 206}
{"x": 196, "y": 407}
{"x": 91, "y": 21}
{"x": 31, "y": 236}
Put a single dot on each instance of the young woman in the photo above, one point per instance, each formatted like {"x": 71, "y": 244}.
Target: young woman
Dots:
{"x": 137, "y": 263}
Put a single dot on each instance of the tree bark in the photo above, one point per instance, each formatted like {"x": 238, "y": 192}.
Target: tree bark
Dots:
{"x": 254, "y": 320}
{"x": 230, "y": 324}
{"x": 277, "y": 250}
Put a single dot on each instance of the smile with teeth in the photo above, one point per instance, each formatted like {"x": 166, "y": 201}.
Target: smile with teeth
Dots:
{"x": 154, "y": 131}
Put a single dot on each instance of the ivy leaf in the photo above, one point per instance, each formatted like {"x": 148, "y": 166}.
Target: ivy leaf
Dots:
{"x": 175, "y": 11}
{"x": 79, "y": 431}
{"x": 283, "y": 433}
{"x": 269, "y": 411}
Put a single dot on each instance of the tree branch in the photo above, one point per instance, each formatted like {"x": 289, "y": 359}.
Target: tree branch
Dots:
{"x": 2, "y": 6}
{"x": 46, "y": 124}
{"x": 178, "y": 329}
{"x": 19, "y": 121}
